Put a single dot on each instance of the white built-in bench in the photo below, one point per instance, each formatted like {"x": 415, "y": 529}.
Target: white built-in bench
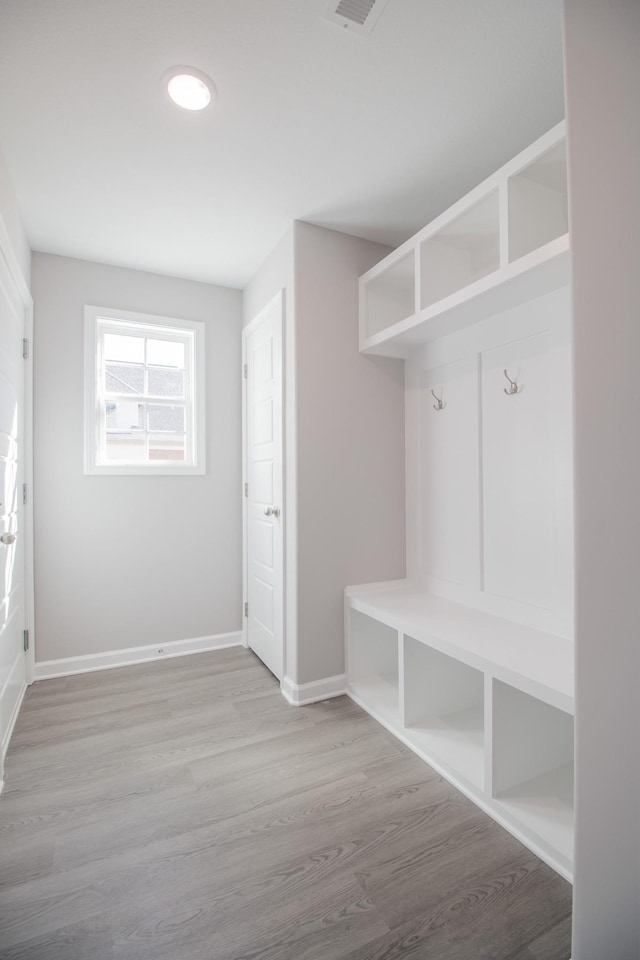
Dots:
{"x": 486, "y": 702}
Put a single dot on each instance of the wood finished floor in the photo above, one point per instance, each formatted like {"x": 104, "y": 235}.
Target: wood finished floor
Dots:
{"x": 181, "y": 810}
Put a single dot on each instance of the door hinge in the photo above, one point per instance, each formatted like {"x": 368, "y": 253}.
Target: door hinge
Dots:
{"x": 24, "y": 493}
{"x": 25, "y": 640}
{"x": 246, "y": 371}
{"x": 246, "y": 608}
{"x": 25, "y": 349}
{"x": 246, "y": 489}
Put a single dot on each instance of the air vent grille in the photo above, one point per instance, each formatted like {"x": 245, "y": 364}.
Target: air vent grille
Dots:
{"x": 360, "y": 16}
{"x": 356, "y": 10}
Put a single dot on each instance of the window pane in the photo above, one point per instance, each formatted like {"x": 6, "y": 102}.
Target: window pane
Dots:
{"x": 125, "y": 417}
{"x": 125, "y": 448}
{"x": 167, "y": 448}
{"x": 144, "y": 390}
{"x": 124, "y": 378}
{"x": 166, "y": 418}
{"x": 165, "y": 353}
{"x": 164, "y": 382}
{"x": 127, "y": 349}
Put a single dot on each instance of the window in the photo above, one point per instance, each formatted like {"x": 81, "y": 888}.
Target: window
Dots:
{"x": 144, "y": 403}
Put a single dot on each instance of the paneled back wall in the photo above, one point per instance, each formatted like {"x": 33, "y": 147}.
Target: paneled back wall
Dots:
{"x": 489, "y": 476}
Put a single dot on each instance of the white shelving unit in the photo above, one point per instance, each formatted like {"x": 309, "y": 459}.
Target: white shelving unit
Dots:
{"x": 486, "y": 702}
{"x": 470, "y": 660}
{"x": 504, "y": 243}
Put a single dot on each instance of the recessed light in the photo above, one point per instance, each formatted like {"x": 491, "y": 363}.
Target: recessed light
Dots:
{"x": 189, "y": 88}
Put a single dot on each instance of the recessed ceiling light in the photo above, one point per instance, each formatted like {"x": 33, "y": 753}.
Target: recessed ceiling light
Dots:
{"x": 190, "y": 88}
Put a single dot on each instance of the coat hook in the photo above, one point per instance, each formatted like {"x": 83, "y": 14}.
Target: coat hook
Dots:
{"x": 513, "y": 386}
{"x": 439, "y": 405}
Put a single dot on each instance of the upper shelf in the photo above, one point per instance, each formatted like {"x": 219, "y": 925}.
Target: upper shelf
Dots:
{"x": 504, "y": 243}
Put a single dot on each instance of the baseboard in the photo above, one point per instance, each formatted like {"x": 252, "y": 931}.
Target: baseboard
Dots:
{"x": 299, "y": 694}
{"x": 67, "y": 666}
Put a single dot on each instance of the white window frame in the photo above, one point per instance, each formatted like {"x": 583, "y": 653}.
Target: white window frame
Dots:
{"x": 101, "y": 320}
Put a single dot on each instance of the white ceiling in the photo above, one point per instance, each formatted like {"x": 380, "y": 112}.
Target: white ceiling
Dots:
{"x": 369, "y": 135}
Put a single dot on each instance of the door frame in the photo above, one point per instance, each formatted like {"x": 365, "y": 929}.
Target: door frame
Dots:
{"x": 276, "y": 303}
{"x": 10, "y": 269}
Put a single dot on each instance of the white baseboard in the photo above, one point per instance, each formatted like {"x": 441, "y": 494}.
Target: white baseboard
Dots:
{"x": 48, "y": 669}
{"x": 299, "y": 694}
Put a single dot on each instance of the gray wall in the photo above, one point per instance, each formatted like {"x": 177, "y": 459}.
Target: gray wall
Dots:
{"x": 603, "y": 110}
{"x": 129, "y": 561}
{"x": 350, "y": 427}
{"x": 275, "y": 274}
{"x": 12, "y": 219}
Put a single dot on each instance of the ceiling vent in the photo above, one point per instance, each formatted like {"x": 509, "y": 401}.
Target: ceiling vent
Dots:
{"x": 359, "y": 16}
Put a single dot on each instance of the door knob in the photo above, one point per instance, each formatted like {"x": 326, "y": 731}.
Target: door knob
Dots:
{"x": 8, "y": 539}
{"x": 272, "y": 511}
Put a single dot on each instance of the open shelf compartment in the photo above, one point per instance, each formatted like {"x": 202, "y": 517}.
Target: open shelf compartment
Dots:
{"x": 464, "y": 250}
{"x": 373, "y": 666}
{"x": 444, "y": 710}
{"x": 538, "y": 203}
{"x": 533, "y": 766}
{"x": 390, "y": 296}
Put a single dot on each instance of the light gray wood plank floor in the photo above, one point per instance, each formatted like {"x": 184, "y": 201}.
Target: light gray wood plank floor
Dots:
{"x": 181, "y": 810}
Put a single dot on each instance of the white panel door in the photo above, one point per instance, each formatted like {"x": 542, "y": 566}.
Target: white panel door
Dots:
{"x": 12, "y": 592}
{"x": 264, "y": 489}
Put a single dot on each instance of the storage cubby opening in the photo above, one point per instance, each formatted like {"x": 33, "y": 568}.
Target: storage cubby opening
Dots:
{"x": 444, "y": 709}
{"x": 465, "y": 250}
{"x": 390, "y": 297}
{"x": 373, "y": 664}
{"x": 538, "y": 207}
{"x": 533, "y": 765}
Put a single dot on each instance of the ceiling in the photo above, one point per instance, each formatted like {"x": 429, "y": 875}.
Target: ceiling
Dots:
{"x": 371, "y": 135}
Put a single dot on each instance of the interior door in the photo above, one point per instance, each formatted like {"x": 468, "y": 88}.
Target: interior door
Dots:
{"x": 12, "y": 579}
{"x": 264, "y": 529}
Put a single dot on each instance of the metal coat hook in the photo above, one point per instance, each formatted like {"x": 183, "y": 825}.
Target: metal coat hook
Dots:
{"x": 513, "y": 386}
{"x": 439, "y": 405}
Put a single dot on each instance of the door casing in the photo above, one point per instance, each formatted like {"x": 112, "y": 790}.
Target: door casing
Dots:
{"x": 13, "y": 280}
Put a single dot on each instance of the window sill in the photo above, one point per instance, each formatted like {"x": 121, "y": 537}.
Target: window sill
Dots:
{"x": 144, "y": 470}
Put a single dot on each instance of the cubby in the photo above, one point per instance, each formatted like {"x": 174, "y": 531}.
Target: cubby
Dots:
{"x": 444, "y": 709}
{"x": 537, "y": 201}
{"x": 373, "y": 665}
{"x": 390, "y": 297}
{"x": 532, "y": 765}
{"x": 462, "y": 251}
